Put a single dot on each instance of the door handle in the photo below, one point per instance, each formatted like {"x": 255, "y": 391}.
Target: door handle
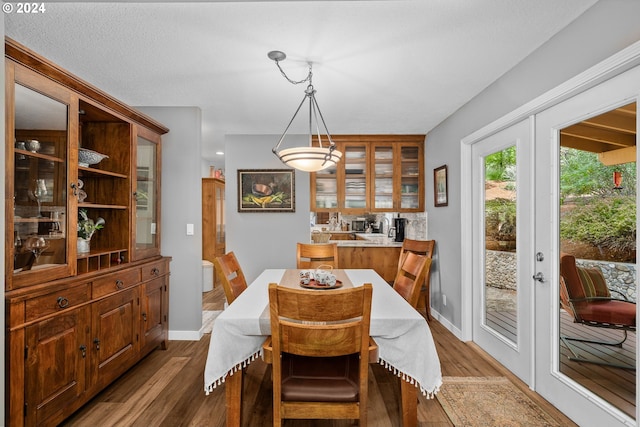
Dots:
{"x": 539, "y": 277}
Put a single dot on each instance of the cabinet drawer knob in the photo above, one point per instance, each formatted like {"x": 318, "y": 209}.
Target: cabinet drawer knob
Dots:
{"x": 155, "y": 271}
{"x": 63, "y": 302}
{"x": 119, "y": 284}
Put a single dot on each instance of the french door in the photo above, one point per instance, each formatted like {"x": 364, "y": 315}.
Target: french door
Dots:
{"x": 579, "y": 401}
{"x": 502, "y": 253}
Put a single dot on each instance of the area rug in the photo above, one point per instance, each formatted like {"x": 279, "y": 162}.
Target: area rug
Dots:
{"x": 489, "y": 402}
{"x": 208, "y": 317}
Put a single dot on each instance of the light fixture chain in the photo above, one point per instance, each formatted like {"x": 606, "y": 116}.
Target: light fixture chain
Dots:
{"x": 295, "y": 82}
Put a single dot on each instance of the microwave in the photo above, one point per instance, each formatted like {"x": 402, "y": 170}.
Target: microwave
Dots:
{"x": 358, "y": 225}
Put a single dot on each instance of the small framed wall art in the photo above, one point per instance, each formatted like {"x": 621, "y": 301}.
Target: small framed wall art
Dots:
{"x": 440, "y": 187}
{"x": 266, "y": 190}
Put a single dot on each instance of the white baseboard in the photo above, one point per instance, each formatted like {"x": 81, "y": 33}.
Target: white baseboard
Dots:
{"x": 450, "y": 326}
{"x": 185, "y": 335}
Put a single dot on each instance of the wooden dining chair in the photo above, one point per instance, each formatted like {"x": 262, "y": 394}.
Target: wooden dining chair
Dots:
{"x": 311, "y": 255}
{"x": 410, "y": 276}
{"x": 320, "y": 350}
{"x": 230, "y": 274}
{"x": 426, "y": 248}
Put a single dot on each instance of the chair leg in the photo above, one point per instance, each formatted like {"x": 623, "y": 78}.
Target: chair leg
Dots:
{"x": 577, "y": 358}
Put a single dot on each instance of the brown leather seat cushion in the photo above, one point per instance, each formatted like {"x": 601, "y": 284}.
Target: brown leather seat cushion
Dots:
{"x": 320, "y": 379}
{"x": 615, "y": 312}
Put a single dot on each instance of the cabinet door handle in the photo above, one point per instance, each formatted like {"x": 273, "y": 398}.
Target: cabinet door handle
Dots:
{"x": 144, "y": 316}
{"x": 135, "y": 196}
{"x": 74, "y": 187}
{"x": 119, "y": 284}
{"x": 63, "y": 302}
{"x": 155, "y": 271}
{"x": 83, "y": 349}
{"x": 96, "y": 342}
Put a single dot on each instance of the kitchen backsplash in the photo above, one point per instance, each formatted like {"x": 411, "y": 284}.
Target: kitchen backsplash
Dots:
{"x": 416, "y": 223}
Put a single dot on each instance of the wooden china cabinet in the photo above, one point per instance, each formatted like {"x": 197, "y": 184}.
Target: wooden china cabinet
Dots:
{"x": 377, "y": 173}
{"x": 76, "y": 320}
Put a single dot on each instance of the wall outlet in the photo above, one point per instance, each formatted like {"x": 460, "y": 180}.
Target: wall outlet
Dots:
{"x": 444, "y": 300}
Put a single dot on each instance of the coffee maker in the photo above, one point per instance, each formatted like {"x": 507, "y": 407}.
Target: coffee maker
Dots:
{"x": 399, "y": 224}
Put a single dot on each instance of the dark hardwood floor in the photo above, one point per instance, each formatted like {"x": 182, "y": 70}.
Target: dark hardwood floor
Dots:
{"x": 167, "y": 389}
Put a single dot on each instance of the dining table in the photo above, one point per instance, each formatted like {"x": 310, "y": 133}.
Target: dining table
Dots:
{"x": 405, "y": 344}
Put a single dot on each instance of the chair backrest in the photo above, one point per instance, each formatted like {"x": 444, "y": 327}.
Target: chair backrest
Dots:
{"x": 410, "y": 276}
{"x": 313, "y": 255}
{"x": 420, "y": 247}
{"x": 231, "y": 276}
{"x": 321, "y": 324}
{"x": 582, "y": 282}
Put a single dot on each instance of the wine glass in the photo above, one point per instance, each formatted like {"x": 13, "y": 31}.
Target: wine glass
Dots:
{"x": 37, "y": 191}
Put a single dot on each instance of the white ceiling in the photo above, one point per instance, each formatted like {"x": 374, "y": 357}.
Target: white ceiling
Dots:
{"x": 398, "y": 66}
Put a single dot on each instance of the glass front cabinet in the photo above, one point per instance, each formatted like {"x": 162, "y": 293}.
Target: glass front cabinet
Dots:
{"x": 86, "y": 288}
{"x": 40, "y": 137}
{"x": 377, "y": 173}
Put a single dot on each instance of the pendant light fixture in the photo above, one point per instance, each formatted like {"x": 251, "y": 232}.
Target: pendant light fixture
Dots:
{"x": 311, "y": 158}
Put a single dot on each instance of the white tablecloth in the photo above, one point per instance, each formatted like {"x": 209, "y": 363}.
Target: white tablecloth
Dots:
{"x": 405, "y": 344}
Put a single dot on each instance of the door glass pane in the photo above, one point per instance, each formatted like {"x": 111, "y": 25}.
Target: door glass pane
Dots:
{"x": 146, "y": 192}
{"x": 598, "y": 230}
{"x": 409, "y": 185}
{"x": 383, "y": 181}
{"x": 355, "y": 169}
{"x": 326, "y": 188}
{"x": 500, "y": 296}
{"x": 40, "y": 186}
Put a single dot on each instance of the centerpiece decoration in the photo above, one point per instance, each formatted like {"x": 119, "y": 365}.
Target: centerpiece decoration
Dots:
{"x": 86, "y": 228}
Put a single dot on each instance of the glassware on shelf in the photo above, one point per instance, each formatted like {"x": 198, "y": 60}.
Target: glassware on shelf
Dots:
{"x": 36, "y": 245}
{"x": 37, "y": 191}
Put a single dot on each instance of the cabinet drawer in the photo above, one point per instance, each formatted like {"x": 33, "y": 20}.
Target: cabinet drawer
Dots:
{"x": 114, "y": 282}
{"x": 153, "y": 270}
{"x": 57, "y": 301}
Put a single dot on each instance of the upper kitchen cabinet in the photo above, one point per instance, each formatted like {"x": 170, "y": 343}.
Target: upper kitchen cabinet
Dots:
{"x": 378, "y": 173}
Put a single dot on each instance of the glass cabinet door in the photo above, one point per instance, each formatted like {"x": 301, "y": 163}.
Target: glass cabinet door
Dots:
{"x": 355, "y": 177}
{"x": 220, "y": 221}
{"x": 37, "y": 213}
{"x": 411, "y": 165}
{"x": 146, "y": 194}
{"x": 383, "y": 178}
{"x": 325, "y": 185}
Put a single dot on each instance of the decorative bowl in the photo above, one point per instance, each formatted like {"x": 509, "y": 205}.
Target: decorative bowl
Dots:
{"x": 33, "y": 145}
{"x": 89, "y": 157}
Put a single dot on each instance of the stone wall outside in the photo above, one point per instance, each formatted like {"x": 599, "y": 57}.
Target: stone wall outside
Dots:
{"x": 620, "y": 277}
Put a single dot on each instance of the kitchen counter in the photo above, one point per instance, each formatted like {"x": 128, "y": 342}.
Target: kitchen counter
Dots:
{"x": 368, "y": 240}
{"x": 362, "y": 239}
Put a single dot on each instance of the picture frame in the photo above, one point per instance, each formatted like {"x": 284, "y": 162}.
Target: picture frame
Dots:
{"x": 266, "y": 190}
{"x": 440, "y": 186}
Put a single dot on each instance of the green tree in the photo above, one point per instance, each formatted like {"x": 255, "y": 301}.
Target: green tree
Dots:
{"x": 500, "y": 166}
{"x": 584, "y": 175}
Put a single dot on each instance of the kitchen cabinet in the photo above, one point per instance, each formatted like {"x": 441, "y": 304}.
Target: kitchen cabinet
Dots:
{"x": 213, "y": 222}
{"x": 76, "y": 320}
{"x": 383, "y": 259}
{"x": 378, "y": 173}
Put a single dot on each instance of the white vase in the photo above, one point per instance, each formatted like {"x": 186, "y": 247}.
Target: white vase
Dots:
{"x": 83, "y": 245}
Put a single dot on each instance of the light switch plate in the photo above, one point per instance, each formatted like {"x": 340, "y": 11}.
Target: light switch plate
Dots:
{"x": 190, "y": 230}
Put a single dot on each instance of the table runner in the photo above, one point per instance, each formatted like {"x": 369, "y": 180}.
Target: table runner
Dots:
{"x": 405, "y": 344}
